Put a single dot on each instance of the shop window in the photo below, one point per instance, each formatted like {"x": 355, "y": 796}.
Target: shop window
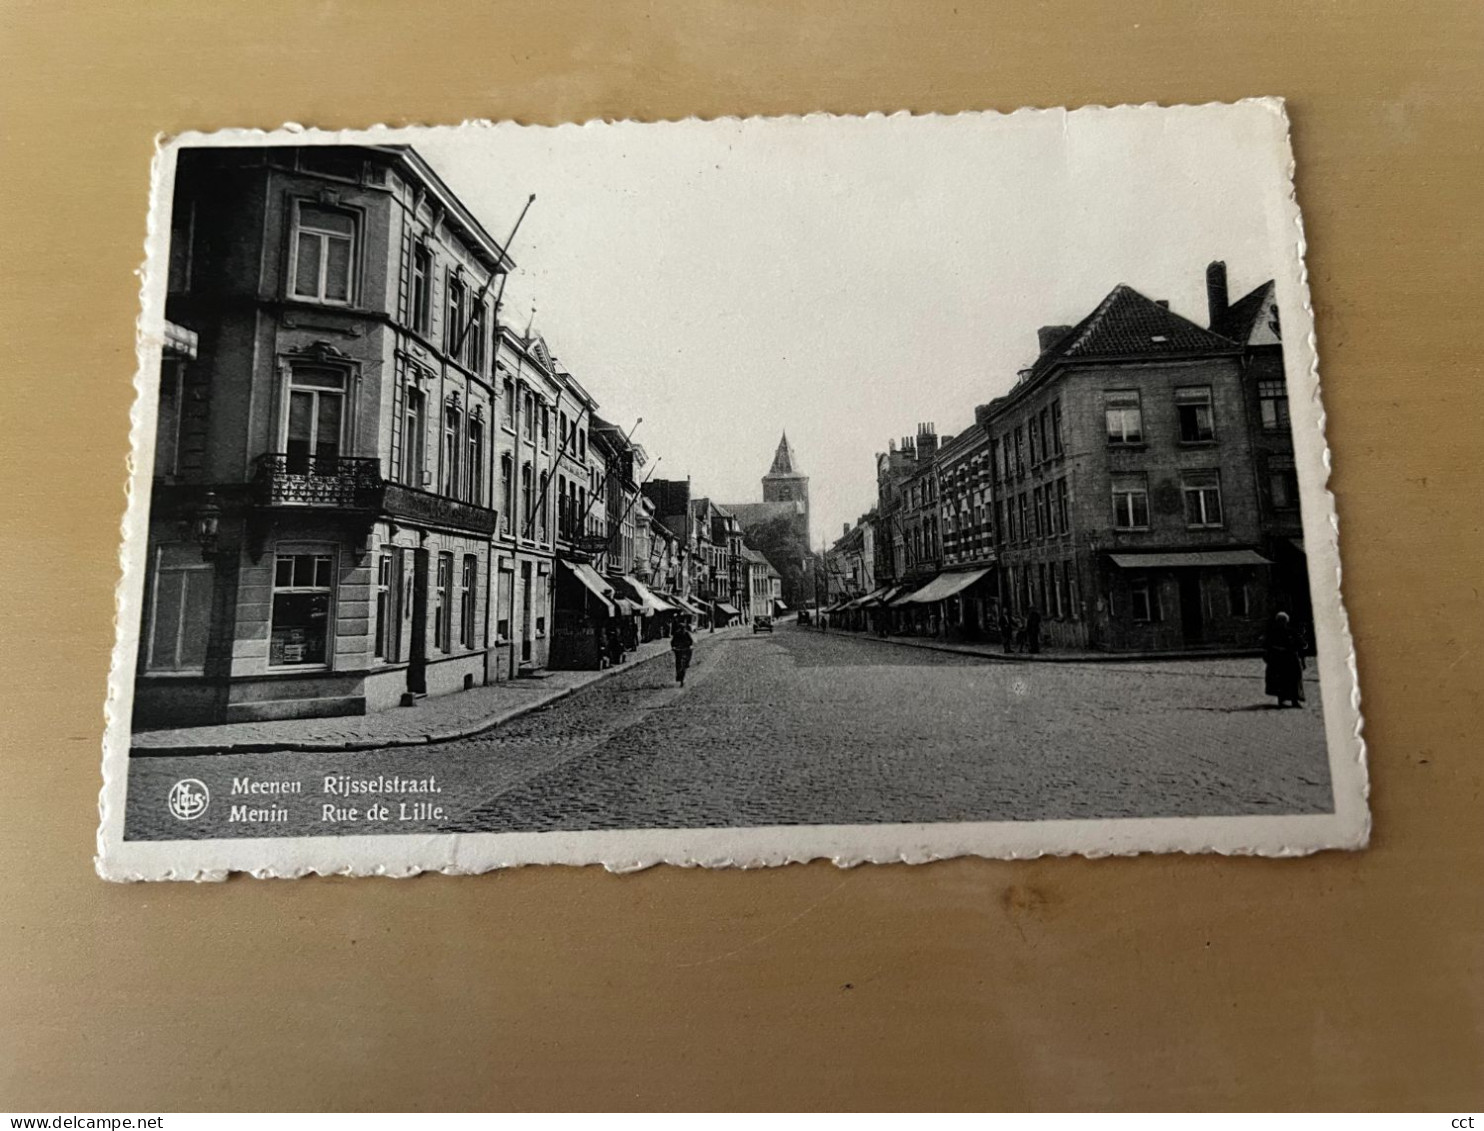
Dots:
{"x": 1193, "y": 408}
{"x": 383, "y": 606}
{"x": 468, "y": 589}
{"x": 1123, "y": 416}
{"x": 1239, "y": 594}
{"x": 443, "y": 604}
{"x": 303, "y": 586}
{"x": 1130, "y": 502}
{"x": 324, "y": 253}
{"x": 1202, "y": 490}
{"x": 1272, "y": 404}
{"x": 1143, "y": 597}
{"x": 180, "y": 611}
{"x": 413, "y": 441}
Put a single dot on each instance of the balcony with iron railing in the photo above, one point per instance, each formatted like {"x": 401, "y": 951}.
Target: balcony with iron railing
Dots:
{"x": 301, "y": 480}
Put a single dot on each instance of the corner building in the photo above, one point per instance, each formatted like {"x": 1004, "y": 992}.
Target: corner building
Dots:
{"x": 325, "y": 505}
{"x": 1126, "y": 504}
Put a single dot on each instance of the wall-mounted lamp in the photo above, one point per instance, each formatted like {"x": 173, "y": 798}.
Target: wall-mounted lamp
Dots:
{"x": 206, "y": 524}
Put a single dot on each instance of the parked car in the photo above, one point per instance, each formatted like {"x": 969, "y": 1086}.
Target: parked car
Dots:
{"x": 762, "y": 624}
{"x": 804, "y": 616}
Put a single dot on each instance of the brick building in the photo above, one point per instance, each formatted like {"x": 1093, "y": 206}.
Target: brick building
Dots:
{"x": 1126, "y": 504}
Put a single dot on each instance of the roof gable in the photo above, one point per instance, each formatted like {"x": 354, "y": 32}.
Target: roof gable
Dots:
{"x": 1253, "y": 318}
{"x": 1126, "y": 324}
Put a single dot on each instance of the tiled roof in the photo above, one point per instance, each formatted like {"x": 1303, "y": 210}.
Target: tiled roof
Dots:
{"x": 1237, "y": 323}
{"x": 1126, "y": 324}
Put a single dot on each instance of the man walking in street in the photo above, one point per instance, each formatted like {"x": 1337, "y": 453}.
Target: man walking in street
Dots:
{"x": 681, "y": 644}
{"x": 1007, "y": 630}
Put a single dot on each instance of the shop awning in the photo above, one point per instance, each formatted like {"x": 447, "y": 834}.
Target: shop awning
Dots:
{"x": 1189, "y": 558}
{"x": 641, "y": 595}
{"x": 873, "y": 598}
{"x": 779, "y": 606}
{"x": 686, "y": 606}
{"x": 943, "y": 586}
{"x": 628, "y": 608}
{"x": 592, "y": 582}
{"x": 730, "y": 610}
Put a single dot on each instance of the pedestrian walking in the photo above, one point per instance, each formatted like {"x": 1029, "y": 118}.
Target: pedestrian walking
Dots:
{"x": 681, "y": 644}
{"x": 1283, "y": 663}
{"x": 1007, "y": 630}
{"x": 1033, "y": 630}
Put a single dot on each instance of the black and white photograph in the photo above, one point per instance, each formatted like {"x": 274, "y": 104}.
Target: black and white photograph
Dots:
{"x": 729, "y": 493}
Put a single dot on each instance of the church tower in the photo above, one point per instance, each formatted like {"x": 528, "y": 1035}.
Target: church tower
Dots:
{"x": 785, "y": 484}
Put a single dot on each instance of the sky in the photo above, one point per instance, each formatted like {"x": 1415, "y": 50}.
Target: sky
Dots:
{"x": 844, "y": 279}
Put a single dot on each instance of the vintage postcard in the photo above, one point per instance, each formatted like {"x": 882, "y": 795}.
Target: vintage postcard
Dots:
{"x": 728, "y": 493}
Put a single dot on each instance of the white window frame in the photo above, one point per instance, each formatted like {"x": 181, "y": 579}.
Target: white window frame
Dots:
{"x": 1200, "y": 490}
{"x": 296, "y": 550}
{"x": 1123, "y": 507}
{"x": 301, "y": 229}
{"x": 1195, "y": 397}
{"x": 1111, "y": 405}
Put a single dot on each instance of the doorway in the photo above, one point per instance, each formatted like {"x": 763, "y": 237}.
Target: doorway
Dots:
{"x": 1192, "y": 619}
{"x": 417, "y": 651}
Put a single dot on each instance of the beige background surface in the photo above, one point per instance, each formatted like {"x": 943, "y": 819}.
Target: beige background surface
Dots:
{"x": 1336, "y": 981}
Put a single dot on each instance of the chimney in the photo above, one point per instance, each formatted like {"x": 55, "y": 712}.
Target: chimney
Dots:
{"x": 1050, "y": 335}
{"x": 845, "y": 531}
{"x": 927, "y": 441}
{"x": 1216, "y": 298}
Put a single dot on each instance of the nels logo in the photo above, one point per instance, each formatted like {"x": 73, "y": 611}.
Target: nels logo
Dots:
{"x": 189, "y": 798}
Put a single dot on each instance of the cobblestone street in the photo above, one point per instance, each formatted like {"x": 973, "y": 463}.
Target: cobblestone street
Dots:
{"x": 799, "y": 727}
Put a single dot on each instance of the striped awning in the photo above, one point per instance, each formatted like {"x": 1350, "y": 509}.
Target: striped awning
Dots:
{"x": 942, "y": 587}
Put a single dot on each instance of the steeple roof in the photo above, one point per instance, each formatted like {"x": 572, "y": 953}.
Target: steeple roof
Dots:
{"x": 783, "y": 460}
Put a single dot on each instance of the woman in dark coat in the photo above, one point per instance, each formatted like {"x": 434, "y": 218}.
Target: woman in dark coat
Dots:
{"x": 1283, "y": 663}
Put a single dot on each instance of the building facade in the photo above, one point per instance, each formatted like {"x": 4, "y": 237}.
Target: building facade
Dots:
{"x": 324, "y": 512}
{"x": 1126, "y": 509}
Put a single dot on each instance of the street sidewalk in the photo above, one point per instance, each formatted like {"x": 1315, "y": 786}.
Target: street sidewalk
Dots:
{"x": 440, "y": 719}
{"x": 992, "y": 651}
